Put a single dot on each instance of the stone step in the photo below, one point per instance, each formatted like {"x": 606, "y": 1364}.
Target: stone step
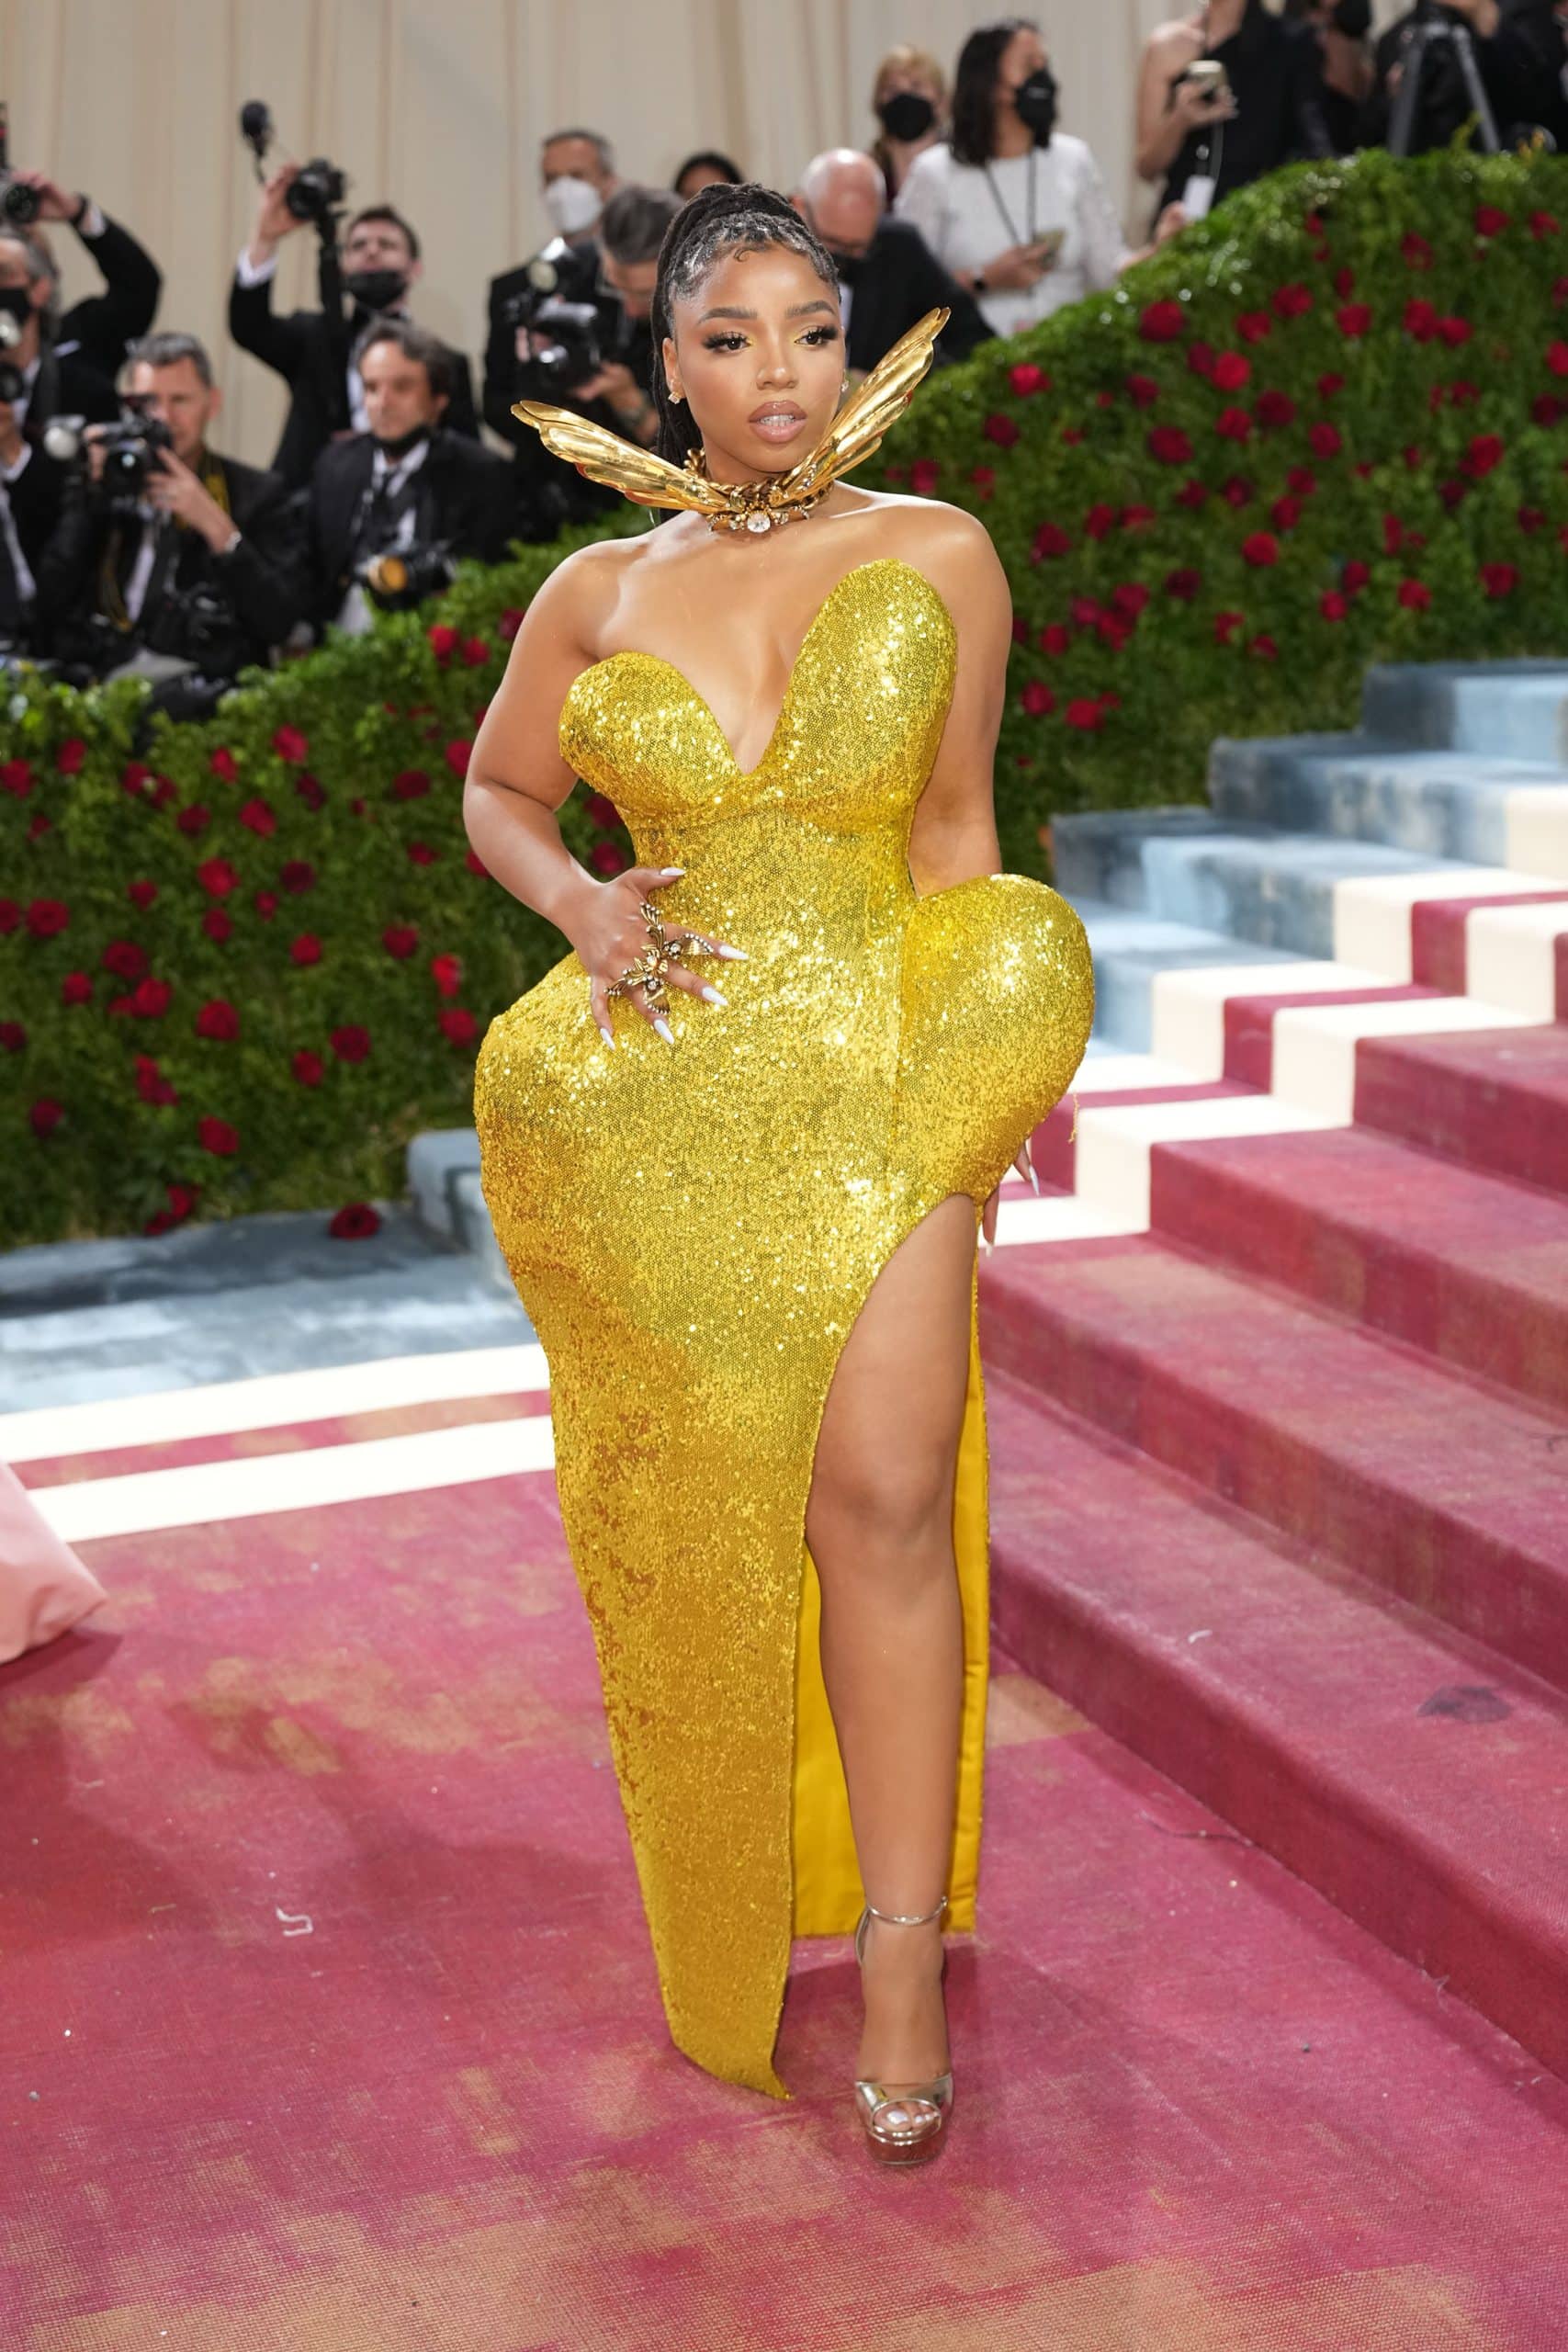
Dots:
{"x": 1407, "y": 1773}
{"x": 1441, "y": 1491}
{"x": 1495, "y": 1099}
{"x": 1131, "y": 950}
{"x": 1516, "y": 711}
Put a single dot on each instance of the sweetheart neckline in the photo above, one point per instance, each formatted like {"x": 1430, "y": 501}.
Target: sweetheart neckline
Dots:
{"x": 749, "y": 776}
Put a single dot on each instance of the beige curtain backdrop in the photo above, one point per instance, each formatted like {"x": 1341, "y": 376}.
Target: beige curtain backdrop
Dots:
{"x": 439, "y": 106}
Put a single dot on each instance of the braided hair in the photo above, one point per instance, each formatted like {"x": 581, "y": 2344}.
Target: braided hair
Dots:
{"x": 719, "y": 219}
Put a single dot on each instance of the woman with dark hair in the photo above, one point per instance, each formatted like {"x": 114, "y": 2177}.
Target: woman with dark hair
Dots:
{"x": 1205, "y": 140}
{"x": 707, "y": 168}
{"x": 744, "y": 1223}
{"x": 1015, "y": 209}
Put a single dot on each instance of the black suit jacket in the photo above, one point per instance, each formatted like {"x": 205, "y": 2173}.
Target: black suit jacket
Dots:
{"x": 900, "y": 281}
{"x": 101, "y": 326}
{"x": 263, "y": 583}
{"x": 464, "y": 501}
{"x": 311, "y": 353}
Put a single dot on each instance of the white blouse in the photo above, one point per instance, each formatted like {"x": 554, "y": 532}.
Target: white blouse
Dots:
{"x": 955, "y": 208}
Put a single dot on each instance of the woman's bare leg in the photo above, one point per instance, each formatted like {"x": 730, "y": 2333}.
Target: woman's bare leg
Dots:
{"x": 879, "y": 1521}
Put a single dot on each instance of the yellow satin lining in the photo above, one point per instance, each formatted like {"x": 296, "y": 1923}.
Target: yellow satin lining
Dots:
{"x": 828, "y": 1891}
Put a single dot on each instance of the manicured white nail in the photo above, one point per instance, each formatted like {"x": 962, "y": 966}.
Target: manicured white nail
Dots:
{"x": 664, "y": 1030}
{"x": 672, "y": 869}
{"x": 608, "y": 1038}
{"x": 735, "y": 954}
{"x": 712, "y": 995}
{"x": 1032, "y": 1177}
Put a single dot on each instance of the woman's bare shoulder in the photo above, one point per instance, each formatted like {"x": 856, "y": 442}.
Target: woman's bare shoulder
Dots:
{"x": 579, "y": 594}
{"x": 949, "y": 544}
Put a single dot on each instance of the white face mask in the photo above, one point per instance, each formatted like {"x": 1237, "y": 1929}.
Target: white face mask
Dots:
{"x": 572, "y": 205}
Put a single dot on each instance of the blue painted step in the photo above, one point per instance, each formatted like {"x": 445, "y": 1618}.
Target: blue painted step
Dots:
{"x": 1129, "y": 948}
{"x": 1516, "y": 711}
{"x": 1434, "y": 804}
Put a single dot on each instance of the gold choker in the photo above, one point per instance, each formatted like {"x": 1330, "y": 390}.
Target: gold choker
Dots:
{"x": 648, "y": 480}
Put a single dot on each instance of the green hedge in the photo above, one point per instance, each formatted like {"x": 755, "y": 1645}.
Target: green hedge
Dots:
{"x": 1327, "y": 428}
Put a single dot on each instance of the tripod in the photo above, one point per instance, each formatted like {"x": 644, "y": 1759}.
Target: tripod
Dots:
{"x": 1432, "y": 36}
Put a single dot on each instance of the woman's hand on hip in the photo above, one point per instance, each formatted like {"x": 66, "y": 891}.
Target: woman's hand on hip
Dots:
{"x": 612, "y": 934}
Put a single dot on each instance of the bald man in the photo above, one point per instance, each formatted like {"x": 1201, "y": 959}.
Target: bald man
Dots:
{"x": 888, "y": 277}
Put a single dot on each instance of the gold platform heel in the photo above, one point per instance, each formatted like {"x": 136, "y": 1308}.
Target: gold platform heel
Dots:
{"x": 907, "y": 2123}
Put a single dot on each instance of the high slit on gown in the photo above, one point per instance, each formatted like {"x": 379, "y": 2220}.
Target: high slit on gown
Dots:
{"x": 693, "y": 1230}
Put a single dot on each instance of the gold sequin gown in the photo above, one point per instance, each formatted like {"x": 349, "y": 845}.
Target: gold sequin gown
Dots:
{"x": 693, "y": 1230}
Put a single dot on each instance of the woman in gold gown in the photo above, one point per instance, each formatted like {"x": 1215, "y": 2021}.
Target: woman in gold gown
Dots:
{"x": 744, "y": 1222}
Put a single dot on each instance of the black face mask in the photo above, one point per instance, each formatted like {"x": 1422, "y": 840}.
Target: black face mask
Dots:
{"x": 1036, "y": 101}
{"x": 374, "y": 289}
{"x": 906, "y": 115}
{"x": 17, "y": 302}
{"x": 395, "y": 451}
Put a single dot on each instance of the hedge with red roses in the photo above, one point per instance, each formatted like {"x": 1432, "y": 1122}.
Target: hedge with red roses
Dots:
{"x": 1327, "y": 428}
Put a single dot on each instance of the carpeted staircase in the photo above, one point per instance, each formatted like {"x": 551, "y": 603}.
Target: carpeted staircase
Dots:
{"x": 1278, "y": 1397}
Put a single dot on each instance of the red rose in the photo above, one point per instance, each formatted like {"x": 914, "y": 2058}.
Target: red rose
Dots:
{"x": 182, "y": 1199}
{"x": 306, "y": 949}
{"x": 217, "y": 877}
{"x": 297, "y": 875}
{"x": 151, "y": 1083}
{"x": 39, "y": 826}
{"x": 223, "y": 765}
{"x": 141, "y": 894}
{"x": 309, "y": 1068}
{"x": 46, "y": 1116}
{"x": 476, "y": 863}
{"x": 1038, "y": 700}
{"x": 219, "y": 1020}
{"x": 290, "y": 746}
{"x": 1085, "y": 716}
{"x": 10, "y": 914}
{"x": 1261, "y": 550}
{"x": 47, "y": 917}
{"x": 510, "y": 623}
{"x": 1355, "y": 576}
{"x": 1026, "y": 377}
{"x": 1138, "y": 518}
{"x": 1050, "y": 541}
{"x": 1490, "y": 222}
{"x": 1544, "y": 224}
{"x": 76, "y": 988}
{"x": 217, "y": 924}
{"x": 1230, "y": 371}
{"x": 1354, "y": 321}
{"x": 1192, "y": 494}
{"x": 16, "y": 778}
{"x": 1303, "y": 482}
{"x": 607, "y": 857}
{"x": 443, "y": 640}
{"x": 1292, "y": 302}
{"x": 1414, "y": 595}
{"x": 125, "y": 958}
{"x": 134, "y": 778}
{"x": 1098, "y": 521}
{"x": 1531, "y": 520}
{"x": 421, "y": 854}
{"x": 459, "y": 1026}
{"x": 1163, "y": 322}
{"x": 1183, "y": 584}
{"x": 1274, "y": 411}
{"x": 412, "y": 783}
{"x": 1233, "y": 424}
{"x": 447, "y": 971}
{"x": 1238, "y": 491}
{"x": 1169, "y": 446}
{"x": 1226, "y": 625}
{"x": 1142, "y": 390}
{"x": 266, "y": 904}
{"x": 12, "y": 1036}
{"x": 1263, "y": 648}
{"x": 310, "y": 791}
{"x": 1486, "y": 453}
{"x": 457, "y": 756}
{"x": 924, "y": 475}
{"x": 1330, "y": 387}
{"x": 218, "y": 1136}
{"x": 1002, "y": 430}
{"x": 400, "y": 939}
{"x": 1326, "y": 441}
{"x": 351, "y": 1043}
{"x": 1285, "y": 513}
{"x": 984, "y": 478}
{"x": 70, "y": 756}
{"x": 1499, "y": 579}
{"x": 601, "y": 813}
{"x": 259, "y": 817}
{"x": 476, "y": 652}
{"x": 1455, "y": 332}
{"x": 1557, "y": 358}
{"x": 1416, "y": 252}
{"x": 1201, "y": 358}
{"x": 356, "y": 1221}
{"x": 194, "y": 820}
{"x": 1255, "y": 326}
{"x": 1333, "y": 605}
{"x": 148, "y": 1000}
{"x": 1055, "y": 638}
{"x": 1421, "y": 319}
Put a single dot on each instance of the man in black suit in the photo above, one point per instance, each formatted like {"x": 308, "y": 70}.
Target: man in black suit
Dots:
{"x": 405, "y": 486}
{"x": 313, "y": 350}
{"x": 30, "y": 487}
{"x": 201, "y": 563}
{"x": 68, "y": 363}
{"x": 889, "y": 275}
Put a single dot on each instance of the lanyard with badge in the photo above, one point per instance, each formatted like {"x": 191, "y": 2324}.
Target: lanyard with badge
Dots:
{"x": 1008, "y": 222}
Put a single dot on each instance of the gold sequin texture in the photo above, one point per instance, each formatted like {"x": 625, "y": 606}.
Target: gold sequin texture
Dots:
{"x": 693, "y": 1230}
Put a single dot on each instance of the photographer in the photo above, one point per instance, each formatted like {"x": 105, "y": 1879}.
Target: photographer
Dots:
{"x": 1342, "y": 30}
{"x": 1224, "y": 97}
{"x": 582, "y": 341}
{"x": 30, "y": 486}
{"x": 405, "y": 489}
{"x": 165, "y": 548}
{"x": 87, "y": 344}
{"x": 1527, "y": 69}
{"x": 313, "y": 350}
{"x": 1446, "y": 103}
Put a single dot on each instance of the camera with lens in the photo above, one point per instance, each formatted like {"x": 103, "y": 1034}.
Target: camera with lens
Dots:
{"x": 318, "y": 191}
{"x": 565, "y": 335}
{"x": 19, "y": 205}
{"x": 399, "y": 578}
{"x": 129, "y": 448}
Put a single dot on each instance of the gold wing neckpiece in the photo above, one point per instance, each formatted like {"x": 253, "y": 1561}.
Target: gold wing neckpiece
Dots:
{"x": 649, "y": 481}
